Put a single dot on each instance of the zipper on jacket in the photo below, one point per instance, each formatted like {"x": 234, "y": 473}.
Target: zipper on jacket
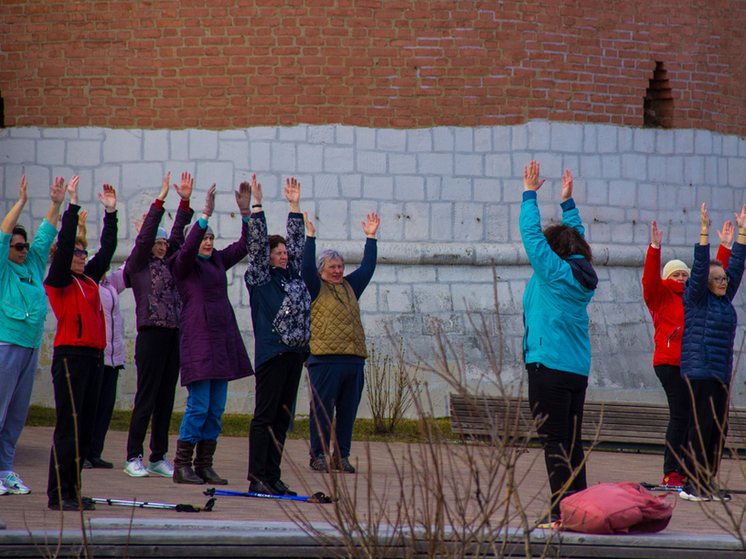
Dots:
{"x": 80, "y": 327}
{"x": 668, "y": 343}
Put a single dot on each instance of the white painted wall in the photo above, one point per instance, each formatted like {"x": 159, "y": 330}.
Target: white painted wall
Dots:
{"x": 449, "y": 199}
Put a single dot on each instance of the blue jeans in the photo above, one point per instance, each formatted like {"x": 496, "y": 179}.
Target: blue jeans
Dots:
{"x": 205, "y": 407}
{"x": 17, "y": 374}
{"x": 335, "y": 387}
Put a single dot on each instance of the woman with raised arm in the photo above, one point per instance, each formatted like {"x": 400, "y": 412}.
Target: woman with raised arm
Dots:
{"x": 662, "y": 294}
{"x": 710, "y": 322}
{"x": 212, "y": 350}
{"x": 281, "y": 315}
{"x": 78, "y": 359}
{"x": 338, "y": 351}
{"x": 157, "y": 308}
{"x": 556, "y": 345}
{"x": 24, "y": 310}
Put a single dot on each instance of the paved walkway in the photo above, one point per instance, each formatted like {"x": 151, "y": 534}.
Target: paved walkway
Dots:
{"x": 30, "y": 511}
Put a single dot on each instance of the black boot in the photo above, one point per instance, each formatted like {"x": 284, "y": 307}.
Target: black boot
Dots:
{"x": 203, "y": 463}
{"x": 183, "y": 472}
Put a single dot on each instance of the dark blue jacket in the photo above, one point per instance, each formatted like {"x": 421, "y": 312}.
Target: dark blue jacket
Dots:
{"x": 710, "y": 320}
{"x": 280, "y": 303}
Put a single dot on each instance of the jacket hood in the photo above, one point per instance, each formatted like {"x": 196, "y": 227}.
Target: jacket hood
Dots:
{"x": 583, "y": 272}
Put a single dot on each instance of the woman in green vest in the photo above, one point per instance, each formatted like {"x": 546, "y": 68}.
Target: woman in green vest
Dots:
{"x": 338, "y": 352}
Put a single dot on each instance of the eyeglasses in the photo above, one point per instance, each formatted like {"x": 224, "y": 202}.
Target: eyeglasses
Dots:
{"x": 21, "y": 246}
{"x": 721, "y": 279}
{"x": 80, "y": 253}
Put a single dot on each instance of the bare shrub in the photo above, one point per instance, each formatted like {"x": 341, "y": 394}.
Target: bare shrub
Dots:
{"x": 392, "y": 388}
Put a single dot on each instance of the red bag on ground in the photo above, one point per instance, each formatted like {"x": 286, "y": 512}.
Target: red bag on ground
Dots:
{"x": 615, "y": 508}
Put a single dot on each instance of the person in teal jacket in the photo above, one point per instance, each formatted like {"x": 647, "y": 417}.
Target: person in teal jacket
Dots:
{"x": 24, "y": 308}
{"x": 556, "y": 345}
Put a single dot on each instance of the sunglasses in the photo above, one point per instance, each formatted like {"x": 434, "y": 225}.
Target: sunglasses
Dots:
{"x": 81, "y": 253}
{"x": 21, "y": 246}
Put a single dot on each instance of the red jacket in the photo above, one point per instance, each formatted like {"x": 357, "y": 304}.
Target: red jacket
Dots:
{"x": 663, "y": 298}
{"x": 80, "y": 316}
{"x": 75, "y": 300}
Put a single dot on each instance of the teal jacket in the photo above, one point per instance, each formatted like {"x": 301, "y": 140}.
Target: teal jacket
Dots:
{"x": 22, "y": 296}
{"x": 555, "y": 302}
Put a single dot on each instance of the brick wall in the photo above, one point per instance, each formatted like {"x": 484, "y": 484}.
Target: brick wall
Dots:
{"x": 223, "y": 64}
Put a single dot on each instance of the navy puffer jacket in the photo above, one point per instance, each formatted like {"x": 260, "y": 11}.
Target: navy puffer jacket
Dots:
{"x": 710, "y": 320}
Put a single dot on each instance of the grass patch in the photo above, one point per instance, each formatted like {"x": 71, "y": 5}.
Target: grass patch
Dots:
{"x": 237, "y": 425}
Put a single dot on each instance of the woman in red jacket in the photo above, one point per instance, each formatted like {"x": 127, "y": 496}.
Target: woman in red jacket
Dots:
{"x": 662, "y": 295}
{"x": 78, "y": 358}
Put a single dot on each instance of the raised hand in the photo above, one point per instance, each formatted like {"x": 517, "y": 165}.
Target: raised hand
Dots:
{"x": 72, "y": 189}
{"x": 57, "y": 191}
{"x": 243, "y": 199}
{"x": 138, "y": 224}
{"x": 165, "y": 187}
{"x": 705, "y": 230}
{"x": 741, "y": 220}
{"x": 371, "y": 226}
{"x": 531, "y": 177}
{"x": 656, "y": 235}
{"x": 726, "y": 235}
{"x": 23, "y": 191}
{"x": 310, "y": 229}
{"x": 566, "y": 185}
{"x": 187, "y": 184}
{"x": 82, "y": 229}
{"x": 292, "y": 194}
{"x": 108, "y": 198}
{"x": 256, "y": 190}
{"x": 209, "y": 203}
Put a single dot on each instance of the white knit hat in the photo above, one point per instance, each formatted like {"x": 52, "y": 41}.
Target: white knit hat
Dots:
{"x": 674, "y": 266}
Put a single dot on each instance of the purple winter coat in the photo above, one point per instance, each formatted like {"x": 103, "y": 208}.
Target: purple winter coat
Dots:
{"x": 149, "y": 277}
{"x": 211, "y": 343}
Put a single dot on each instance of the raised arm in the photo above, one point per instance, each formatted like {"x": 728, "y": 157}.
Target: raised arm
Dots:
{"x": 360, "y": 278}
{"x": 544, "y": 261}
{"x": 184, "y": 214}
{"x": 59, "y": 274}
{"x": 11, "y": 219}
{"x": 143, "y": 248}
{"x": 295, "y": 225}
{"x": 99, "y": 264}
{"x": 309, "y": 272}
{"x": 235, "y": 252}
{"x": 736, "y": 260}
{"x": 696, "y": 286}
{"x": 652, "y": 284}
{"x": 257, "y": 272}
{"x": 570, "y": 214}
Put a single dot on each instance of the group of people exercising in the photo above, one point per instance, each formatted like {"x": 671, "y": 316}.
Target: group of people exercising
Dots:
{"x": 186, "y": 328}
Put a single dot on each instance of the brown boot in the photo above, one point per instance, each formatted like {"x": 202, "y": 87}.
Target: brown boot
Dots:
{"x": 203, "y": 463}
{"x": 183, "y": 472}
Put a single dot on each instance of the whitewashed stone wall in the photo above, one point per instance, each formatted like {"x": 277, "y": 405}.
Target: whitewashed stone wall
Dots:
{"x": 449, "y": 199}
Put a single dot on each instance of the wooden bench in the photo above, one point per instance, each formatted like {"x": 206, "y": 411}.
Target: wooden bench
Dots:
{"x": 613, "y": 425}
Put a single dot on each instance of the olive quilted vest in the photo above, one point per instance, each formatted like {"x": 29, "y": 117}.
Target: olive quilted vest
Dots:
{"x": 336, "y": 328}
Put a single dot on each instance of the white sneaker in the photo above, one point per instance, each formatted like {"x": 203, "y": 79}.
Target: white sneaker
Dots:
{"x": 14, "y": 484}
{"x": 3, "y": 489}
{"x": 135, "y": 468}
{"x": 162, "y": 468}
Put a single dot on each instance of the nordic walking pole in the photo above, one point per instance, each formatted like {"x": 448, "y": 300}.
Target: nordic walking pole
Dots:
{"x": 146, "y": 505}
{"x": 315, "y": 498}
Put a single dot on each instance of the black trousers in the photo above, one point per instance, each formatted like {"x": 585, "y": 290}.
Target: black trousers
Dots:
{"x": 679, "y": 412}
{"x": 157, "y": 360}
{"x": 72, "y": 436}
{"x": 557, "y": 398}
{"x": 106, "y": 400}
{"x": 276, "y": 389}
{"x": 710, "y": 404}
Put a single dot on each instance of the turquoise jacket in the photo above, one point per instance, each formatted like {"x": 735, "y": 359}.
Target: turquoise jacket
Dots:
{"x": 22, "y": 297}
{"x": 554, "y": 303}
